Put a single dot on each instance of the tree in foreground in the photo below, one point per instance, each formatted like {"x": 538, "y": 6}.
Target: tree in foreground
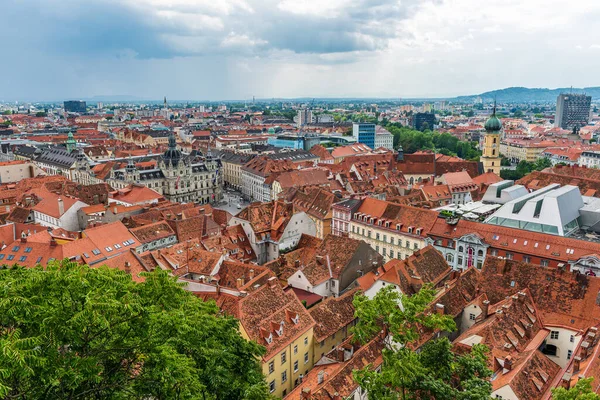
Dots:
{"x": 74, "y": 332}
{"x": 581, "y": 391}
{"x": 435, "y": 372}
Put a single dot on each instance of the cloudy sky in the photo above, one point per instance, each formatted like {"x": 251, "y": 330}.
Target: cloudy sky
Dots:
{"x": 234, "y": 49}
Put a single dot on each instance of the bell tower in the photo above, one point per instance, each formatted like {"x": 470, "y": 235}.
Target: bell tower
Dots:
{"x": 491, "y": 144}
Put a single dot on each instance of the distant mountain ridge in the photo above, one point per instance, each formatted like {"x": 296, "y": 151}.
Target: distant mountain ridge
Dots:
{"x": 525, "y": 95}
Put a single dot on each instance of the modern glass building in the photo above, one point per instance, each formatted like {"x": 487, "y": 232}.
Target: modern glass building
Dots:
{"x": 75, "y": 106}
{"x": 364, "y": 133}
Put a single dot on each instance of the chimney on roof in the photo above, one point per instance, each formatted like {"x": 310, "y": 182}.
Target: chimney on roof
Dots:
{"x": 115, "y": 209}
{"x": 272, "y": 281}
{"x": 528, "y": 330}
{"x": 585, "y": 346}
{"x": 305, "y": 394}
{"x": 454, "y": 274}
{"x": 240, "y": 282}
{"x": 508, "y": 363}
{"x": 127, "y": 267}
{"x": 416, "y": 282}
{"x": 320, "y": 377}
{"x": 251, "y": 275}
{"x": 336, "y": 396}
{"x": 52, "y": 242}
{"x": 439, "y": 309}
{"x": 61, "y": 207}
{"x": 23, "y": 237}
{"x": 576, "y": 363}
{"x": 297, "y": 263}
{"x": 218, "y": 289}
{"x": 522, "y": 296}
{"x": 485, "y": 306}
{"x": 566, "y": 381}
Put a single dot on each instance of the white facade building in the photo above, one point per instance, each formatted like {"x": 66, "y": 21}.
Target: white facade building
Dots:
{"x": 590, "y": 159}
{"x": 383, "y": 138}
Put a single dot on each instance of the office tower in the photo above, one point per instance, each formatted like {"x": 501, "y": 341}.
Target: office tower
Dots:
{"x": 572, "y": 110}
{"x": 75, "y": 106}
{"x": 423, "y": 121}
{"x": 304, "y": 117}
{"x": 364, "y": 133}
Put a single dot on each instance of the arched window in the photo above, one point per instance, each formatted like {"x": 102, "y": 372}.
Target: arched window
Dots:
{"x": 461, "y": 249}
{"x": 480, "y": 253}
{"x": 449, "y": 257}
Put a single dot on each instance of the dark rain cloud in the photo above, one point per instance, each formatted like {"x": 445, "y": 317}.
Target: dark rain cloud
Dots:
{"x": 113, "y": 28}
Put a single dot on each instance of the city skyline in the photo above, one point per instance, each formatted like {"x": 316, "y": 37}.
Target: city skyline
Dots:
{"x": 236, "y": 49}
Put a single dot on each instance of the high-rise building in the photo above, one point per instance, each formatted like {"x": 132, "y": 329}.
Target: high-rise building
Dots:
{"x": 75, "y": 106}
{"x": 304, "y": 117}
{"x": 364, "y": 133}
{"x": 491, "y": 144}
{"x": 572, "y": 110}
{"x": 423, "y": 121}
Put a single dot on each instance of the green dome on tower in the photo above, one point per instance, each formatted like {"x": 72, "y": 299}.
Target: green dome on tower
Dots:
{"x": 493, "y": 124}
{"x": 71, "y": 143}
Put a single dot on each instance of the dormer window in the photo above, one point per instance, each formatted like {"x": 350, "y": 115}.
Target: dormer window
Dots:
{"x": 269, "y": 338}
{"x": 296, "y": 319}
{"x": 280, "y": 330}
{"x": 410, "y": 229}
{"x": 398, "y": 227}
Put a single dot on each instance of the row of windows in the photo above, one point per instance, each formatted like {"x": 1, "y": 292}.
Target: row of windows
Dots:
{"x": 11, "y": 257}
{"x": 284, "y": 377}
{"x": 527, "y": 259}
{"x": 383, "y": 238}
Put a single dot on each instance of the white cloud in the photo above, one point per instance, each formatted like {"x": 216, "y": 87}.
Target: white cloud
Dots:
{"x": 397, "y": 48}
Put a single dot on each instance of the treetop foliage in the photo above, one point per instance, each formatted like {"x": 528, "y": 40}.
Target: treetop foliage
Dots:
{"x": 74, "y": 332}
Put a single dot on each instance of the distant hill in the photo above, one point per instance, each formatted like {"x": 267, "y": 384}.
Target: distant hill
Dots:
{"x": 526, "y": 95}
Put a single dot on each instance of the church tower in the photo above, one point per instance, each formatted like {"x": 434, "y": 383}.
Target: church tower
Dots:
{"x": 71, "y": 143}
{"x": 491, "y": 144}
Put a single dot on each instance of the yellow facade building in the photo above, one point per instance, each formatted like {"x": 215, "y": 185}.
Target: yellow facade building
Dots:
{"x": 491, "y": 144}
{"x": 393, "y": 230}
{"x": 278, "y": 321}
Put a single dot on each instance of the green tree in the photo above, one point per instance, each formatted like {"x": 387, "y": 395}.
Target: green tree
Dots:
{"x": 581, "y": 391}
{"x": 470, "y": 113}
{"x": 74, "y": 332}
{"x": 435, "y": 372}
{"x": 41, "y": 114}
{"x": 542, "y": 163}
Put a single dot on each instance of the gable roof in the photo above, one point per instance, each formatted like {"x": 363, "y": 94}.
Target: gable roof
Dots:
{"x": 333, "y": 314}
